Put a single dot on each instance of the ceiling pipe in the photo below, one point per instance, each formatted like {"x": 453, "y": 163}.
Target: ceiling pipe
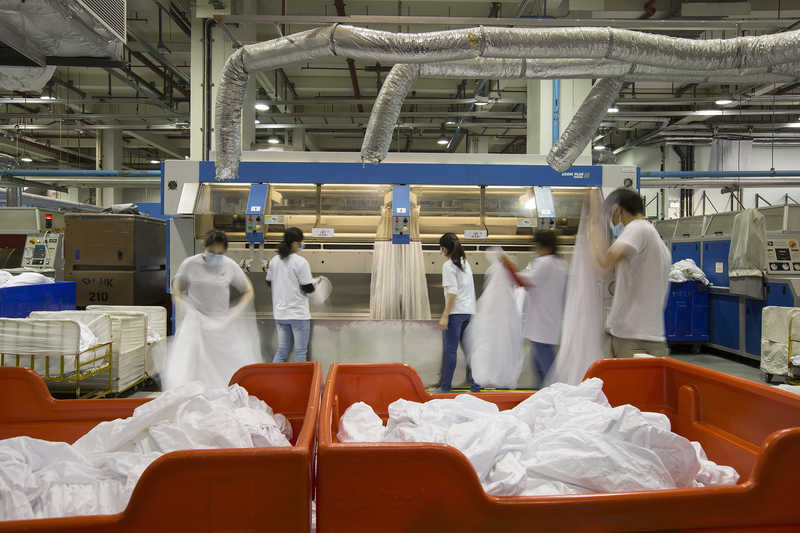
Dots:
{"x": 677, "y": 54}
{"x": 82, "y": 173}
{"x": 659, "y": 183}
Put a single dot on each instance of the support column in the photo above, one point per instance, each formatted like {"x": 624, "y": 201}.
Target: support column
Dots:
{"x": 540, "y": 116}
{"x": 109, "y": 157}
{"x": 197, "y": 103}
{"x": 299, "y": 139}
{"x": 478, "y": 145}
{"x": 573, "y": 93}
{"x": 247, "y": 33}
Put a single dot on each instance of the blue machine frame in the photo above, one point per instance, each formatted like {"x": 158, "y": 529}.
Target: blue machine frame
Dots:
{"x": 408, "y": 174}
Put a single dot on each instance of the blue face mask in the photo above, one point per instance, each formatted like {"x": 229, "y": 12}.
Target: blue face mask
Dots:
{"x": 212, "y": 259}
{"x": 616, "y": 229}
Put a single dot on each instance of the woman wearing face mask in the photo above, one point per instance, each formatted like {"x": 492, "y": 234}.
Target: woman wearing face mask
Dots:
{"x": 459, "y": 306}
{"x": 213, "y": 338}
{"x": 289, "y": 276}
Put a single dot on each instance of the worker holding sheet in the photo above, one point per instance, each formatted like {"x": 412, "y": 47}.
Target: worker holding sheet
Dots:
{"x": 545, "y": 281}
{"x": 214, "y": 338}
{"x": 642, "y": 263}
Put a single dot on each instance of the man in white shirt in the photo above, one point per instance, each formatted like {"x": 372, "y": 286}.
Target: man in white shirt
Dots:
{"x": 641, "y": 261}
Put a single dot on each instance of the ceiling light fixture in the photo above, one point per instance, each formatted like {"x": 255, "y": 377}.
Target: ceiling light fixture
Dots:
{"x": 613, "y": 110}
{"x": 258, "y": 121}
{"x": 262, "y": 107}
{"x": 794, "y": 125}
{"x": 723, "y": 101}
{"x": 155, "y": 162}
{"x": 273, "y": 140}
{"x": 481, "y": 101}
{"x": 46, "y": 97}
{"x": 709, "y": 112}
{"x": 26, "y": 159}
{"x": 599, "y": 147}
{"x": 450, "y": 123}
{"x": 443, "y": 141}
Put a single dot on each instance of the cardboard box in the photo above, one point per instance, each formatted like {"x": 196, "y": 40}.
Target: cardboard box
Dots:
{"x": 119, "y": 287}
{"x": 124, "y": 242}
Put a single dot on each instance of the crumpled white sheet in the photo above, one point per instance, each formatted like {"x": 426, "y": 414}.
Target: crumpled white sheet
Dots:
{"x": 97, "y": 474}
{"x": 493, "y": 339}
{"x": 88, "y": 338}
{"x": 687, "y": 270}
{"x": 322, "y": 290}
{"x": 565, "y": 439}
{"x": 27, "y": 278}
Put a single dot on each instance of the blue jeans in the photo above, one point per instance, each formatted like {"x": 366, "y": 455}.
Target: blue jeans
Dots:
{"x": 452, "y": 336}
{"x": 543, "y": 357}
{"x": 288, "y": 329}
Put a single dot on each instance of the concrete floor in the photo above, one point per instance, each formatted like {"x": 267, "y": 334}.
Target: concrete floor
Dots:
{"x": 722, "y": 364}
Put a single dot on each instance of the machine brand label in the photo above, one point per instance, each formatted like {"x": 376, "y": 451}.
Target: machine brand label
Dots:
{"x": 475, "y": 233}
{"x": 322, "y": 232}
{"x": 255, "y": 208}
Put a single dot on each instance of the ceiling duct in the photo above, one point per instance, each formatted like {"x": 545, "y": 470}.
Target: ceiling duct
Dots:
{"x": 634, "y": 48}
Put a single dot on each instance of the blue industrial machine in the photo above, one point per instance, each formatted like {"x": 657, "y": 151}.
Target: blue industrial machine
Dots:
{"x": 734, "y": 320}
{"x": 339, "y": 205}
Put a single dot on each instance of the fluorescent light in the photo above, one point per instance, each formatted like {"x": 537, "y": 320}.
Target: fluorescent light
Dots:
{"x": 155, "y": 162}
{"x": 599, "y": 147}
{"x": 46, "y": 97}
{"x": 709, "y": 112}
{"x": 794, "y": 125}
{"x": 26, "y": 159}
{"x": 450, "y": 123}
{"x": 262, "y": 107}
{"x": 481, "y": 103}
{"x": 619, "y": 150}
{"x": 258, "y": 121}
{"x": 273, "y": 140}
{"x": 443, "y": 141}
{"x": 723, "y": 101}
{"x": 613, "y": 110}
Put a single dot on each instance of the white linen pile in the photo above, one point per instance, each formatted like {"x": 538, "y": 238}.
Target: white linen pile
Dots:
{"x": 25, "y": 278}
{"x": 564, "y": 439}
{"x": 97, "y": 474}
{"x": 687, "y": 270}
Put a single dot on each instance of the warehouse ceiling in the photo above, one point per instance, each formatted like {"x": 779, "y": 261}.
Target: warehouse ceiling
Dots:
{"x": 145, "y": 92}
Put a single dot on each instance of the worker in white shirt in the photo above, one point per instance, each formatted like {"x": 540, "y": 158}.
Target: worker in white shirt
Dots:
{"x": 641, "y": 261}
{"x": 545, "y": 281}
{"x": 289, "y": 276}
{"x": 459, "y": 306}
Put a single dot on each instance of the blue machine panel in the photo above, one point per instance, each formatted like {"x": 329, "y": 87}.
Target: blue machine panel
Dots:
{"x": 686, "y": 250}
{"x": 715, "y": 262}
{"x": 752, "y": 326}
{"x": 256, "y": 207}
{"x": 780, "y": 295}
{"x": 18, "y": 302}
{"x": 410, "y": 174}
{"x": 686, "y": 314}
{"x": 401, "y": 214}
{"x": 724, "y": 320}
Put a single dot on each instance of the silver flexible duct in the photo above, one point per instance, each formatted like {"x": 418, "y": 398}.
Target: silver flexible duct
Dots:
{"x": 563, "y": 44}
{"x": 378, "y": 136}
{"x": 581, "y": 128}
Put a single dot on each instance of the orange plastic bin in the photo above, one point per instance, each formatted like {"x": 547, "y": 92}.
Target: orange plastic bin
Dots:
{"x": 424, "y": 487}
{"x": 254, "y": 489}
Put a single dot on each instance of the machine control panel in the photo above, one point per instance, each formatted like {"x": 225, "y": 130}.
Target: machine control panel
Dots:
{"x": 545, "y": 208}
{"x": 401, "y": 214}
{"x": 42, "y": 252}
{"x": 783, "y": 255}
{"x": 255, "y": 224}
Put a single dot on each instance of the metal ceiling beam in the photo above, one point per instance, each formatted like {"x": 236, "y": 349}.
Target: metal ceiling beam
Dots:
{"x": 159, "y": 142}
{"x": 407, "y": 101}
{"x": 81, "y": 101}
{"x": 631, "y": 24}
{"x": 76, "y": 126}
{"x": 92, "y": 116}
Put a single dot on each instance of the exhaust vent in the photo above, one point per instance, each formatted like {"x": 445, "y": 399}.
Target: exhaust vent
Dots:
{"x": 111, "y": 13}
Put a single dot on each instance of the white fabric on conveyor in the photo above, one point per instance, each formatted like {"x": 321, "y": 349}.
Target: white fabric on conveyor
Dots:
{"x": 28, "y": 278}
{"x": 687, "y": 270}
{"x": 97, "y": 474}
{"x": 563, "y": 439}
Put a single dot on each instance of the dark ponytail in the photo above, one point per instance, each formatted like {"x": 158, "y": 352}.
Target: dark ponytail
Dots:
{"x": 290, "y": 236}
{"x": 455, "y": 252}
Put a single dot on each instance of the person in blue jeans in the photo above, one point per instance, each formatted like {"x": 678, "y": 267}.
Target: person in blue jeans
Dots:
{"x": 545, "y": 281}
{"x": 459, "y": 306}
{"x": 289, "y": 276}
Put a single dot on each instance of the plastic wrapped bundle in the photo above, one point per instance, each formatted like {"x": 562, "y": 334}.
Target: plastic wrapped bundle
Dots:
{"x": 748, "y": 241}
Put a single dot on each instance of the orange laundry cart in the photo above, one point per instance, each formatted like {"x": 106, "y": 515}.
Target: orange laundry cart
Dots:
{"x": 254, "y": 489}
{"x": 424, "y": 487}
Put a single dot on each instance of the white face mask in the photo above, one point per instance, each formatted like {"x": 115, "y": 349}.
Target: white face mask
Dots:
{"x": 212, "y": 259}
{"x": 616, "y": 229}
{"x": 302, "y": 246}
